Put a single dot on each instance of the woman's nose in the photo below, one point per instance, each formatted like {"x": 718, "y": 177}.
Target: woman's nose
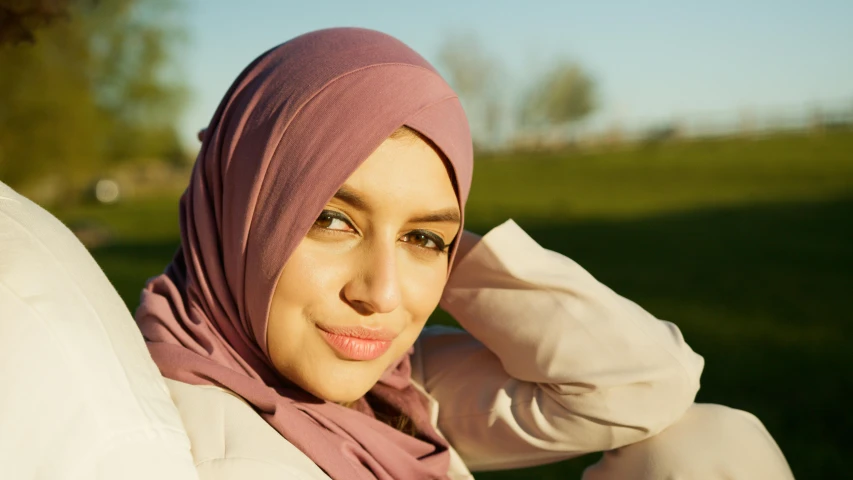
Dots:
{"x": 375, "y": 286}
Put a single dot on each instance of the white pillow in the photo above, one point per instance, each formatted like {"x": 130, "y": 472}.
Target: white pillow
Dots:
{"x": 80, "y": 396}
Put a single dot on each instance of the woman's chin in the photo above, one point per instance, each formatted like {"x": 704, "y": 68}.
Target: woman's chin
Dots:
{"x": 342, "y": 383}
{"x": 342, "y": 393}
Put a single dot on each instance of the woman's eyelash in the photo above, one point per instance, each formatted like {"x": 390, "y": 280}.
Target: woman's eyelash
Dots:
{"x": 332, "y": 215}
{"x": 440, "y": 245}
{"x": 326, "y": 216}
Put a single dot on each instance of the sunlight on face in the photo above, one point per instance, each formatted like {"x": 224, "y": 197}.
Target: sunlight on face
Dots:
{"x": 356, "y": 292}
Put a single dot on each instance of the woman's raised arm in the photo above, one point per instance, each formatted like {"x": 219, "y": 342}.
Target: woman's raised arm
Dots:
{"x": 555, "y": 364}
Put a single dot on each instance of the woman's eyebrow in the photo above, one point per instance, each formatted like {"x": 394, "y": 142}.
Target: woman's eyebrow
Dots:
{"x": 450, "y": 215}
{"x": 351, "y": 197}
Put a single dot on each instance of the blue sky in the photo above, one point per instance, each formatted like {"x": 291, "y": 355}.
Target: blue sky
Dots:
{"x": 652, "y": 59}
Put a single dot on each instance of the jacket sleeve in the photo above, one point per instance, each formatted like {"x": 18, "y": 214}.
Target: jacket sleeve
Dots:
{"x": 80, "y": 396}
{"x": 553, "y": 365}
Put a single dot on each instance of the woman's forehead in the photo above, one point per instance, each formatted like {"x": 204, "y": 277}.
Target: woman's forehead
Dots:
{"x": 403, "y": 174}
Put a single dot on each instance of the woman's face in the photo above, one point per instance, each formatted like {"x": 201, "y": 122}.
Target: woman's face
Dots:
{"x": 356, "y": 292}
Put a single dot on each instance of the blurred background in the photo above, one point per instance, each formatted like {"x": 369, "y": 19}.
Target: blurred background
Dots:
{"x": 698, "y": 159}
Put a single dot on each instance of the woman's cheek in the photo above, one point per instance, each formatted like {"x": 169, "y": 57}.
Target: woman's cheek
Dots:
{"x": 426, "y": 294}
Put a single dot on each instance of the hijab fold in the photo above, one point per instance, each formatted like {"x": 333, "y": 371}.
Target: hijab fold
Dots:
{"x": 291, "y": 129}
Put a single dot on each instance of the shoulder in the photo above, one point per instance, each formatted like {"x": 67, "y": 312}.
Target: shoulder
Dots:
{"x": 230, "y": 440}
{"x": 77, "y": 363}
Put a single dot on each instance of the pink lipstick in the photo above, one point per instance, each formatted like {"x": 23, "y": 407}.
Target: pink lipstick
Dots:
{"x": 358, "y": 343}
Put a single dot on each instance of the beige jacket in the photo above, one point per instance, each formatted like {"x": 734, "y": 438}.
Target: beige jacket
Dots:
{"x": 553, "y": 365}
{"x": 80, "y": 397}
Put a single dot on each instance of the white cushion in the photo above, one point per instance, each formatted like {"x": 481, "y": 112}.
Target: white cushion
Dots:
{"x": 80, "y": 396}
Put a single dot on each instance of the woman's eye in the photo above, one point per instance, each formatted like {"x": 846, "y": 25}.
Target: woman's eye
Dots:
{"x": 330, "y": 221}
{"x": 424, "y": 240}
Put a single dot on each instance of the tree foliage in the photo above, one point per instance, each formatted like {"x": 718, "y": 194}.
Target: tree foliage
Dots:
{"x": 566, "y": 94}
{"x": 19, "y": 19}
{"x": 476, "y": 76}
{"x": 97, "y": 85}
{"x": 469, "y": 66}
{"x": 555, "y": 101}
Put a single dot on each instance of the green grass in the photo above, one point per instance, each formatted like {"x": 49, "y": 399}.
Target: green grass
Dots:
{"x": 663, "y": 178}
{"x": 746, "y": 244}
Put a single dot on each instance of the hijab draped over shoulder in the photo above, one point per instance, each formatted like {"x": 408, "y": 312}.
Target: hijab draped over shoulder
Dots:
{"x": 292, "y": 128}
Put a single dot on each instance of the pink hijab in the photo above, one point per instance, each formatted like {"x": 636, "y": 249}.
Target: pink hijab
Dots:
{"x": 291, "y": 129}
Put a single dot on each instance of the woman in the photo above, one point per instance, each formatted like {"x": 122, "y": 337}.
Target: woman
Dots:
{"x": 318, "y": 233}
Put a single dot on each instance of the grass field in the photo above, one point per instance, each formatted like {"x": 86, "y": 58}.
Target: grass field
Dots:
{"x": 746, "y": 244}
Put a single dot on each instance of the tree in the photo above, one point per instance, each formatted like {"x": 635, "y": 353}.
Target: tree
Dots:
{"x": 476, "y": 76}
{"x": 564, "y": 96}
{"x": 95, "y": 87}
{"x": 20, "y": 18}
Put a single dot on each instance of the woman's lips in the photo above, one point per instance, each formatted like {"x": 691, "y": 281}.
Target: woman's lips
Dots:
{"x": 358, "y": 343}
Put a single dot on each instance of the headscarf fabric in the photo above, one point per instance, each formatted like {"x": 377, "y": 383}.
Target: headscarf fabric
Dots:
{"x": 295, "y": 124}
